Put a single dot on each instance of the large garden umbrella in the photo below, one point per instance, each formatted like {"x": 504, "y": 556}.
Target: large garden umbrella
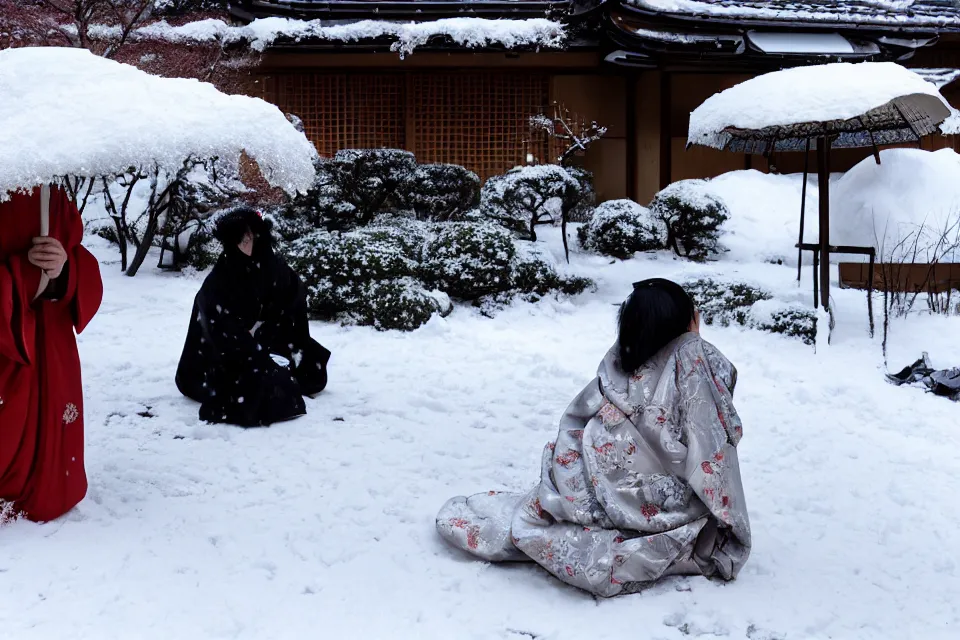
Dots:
{"x": 67, "y": 112}
{"x": 821, "y": 107}
{"x": 68, "y": 115}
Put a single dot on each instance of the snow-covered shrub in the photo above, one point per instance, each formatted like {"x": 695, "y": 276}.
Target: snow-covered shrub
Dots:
{"x": 366, "y": 277}
{"x": 724, "y": 303}
{"x": 620, "y": 228}
{"x": 291, "y": 222}
{"x": 356, "y": 185}
{"x": 469, "y": 260}
{"x": 793, "y": 321}
{"x": 533, "y": 277}
{"x": 335, "y": 268}
{"x": 738, "y": 303}
{"x": 397, "y": 272}
{"x": 526, "y": 197}
{"x": 442, "y": 192}
{"x": 408, "y": 234}
{"x": 692, "y": 216}
{"x": 201, "y": 250}
{"x": 303, "y": 213}
{"x": 401, "y": 304}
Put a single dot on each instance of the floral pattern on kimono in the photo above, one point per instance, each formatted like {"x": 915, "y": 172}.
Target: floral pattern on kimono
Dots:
{"x": 642, "y": 481}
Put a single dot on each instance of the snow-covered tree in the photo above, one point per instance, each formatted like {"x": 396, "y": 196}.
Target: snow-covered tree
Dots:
{"x": 527, "y": 197}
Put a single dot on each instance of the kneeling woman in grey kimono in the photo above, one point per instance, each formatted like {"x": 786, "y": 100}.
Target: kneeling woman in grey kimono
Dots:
{"x": 643, "y": 480}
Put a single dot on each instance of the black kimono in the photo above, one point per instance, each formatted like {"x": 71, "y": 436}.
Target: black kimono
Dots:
{"x": 249, "y": 309}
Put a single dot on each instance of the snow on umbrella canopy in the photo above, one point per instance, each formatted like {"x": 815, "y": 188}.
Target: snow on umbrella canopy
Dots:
{"x": 855, "y": 105}
{"x": 67, "y": 112}
{"x": 845, "y": 105}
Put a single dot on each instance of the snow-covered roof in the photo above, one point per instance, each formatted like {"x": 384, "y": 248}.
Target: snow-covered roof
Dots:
{"x": 68, "y": 112}
{"x": 817, "y": 94}
{"x": 407, "y": 36}
{"x": 410, "y": 8}
{"x": 931, "y": 14}
{"x": 939, "y": 77}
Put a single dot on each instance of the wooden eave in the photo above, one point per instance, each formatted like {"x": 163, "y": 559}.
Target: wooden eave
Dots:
{"x": 383, "y": 60}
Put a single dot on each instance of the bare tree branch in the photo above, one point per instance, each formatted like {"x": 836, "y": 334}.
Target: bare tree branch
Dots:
{"x": 573, "y": 134}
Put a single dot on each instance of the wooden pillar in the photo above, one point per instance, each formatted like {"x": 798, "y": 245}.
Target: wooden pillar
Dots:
{"x": 633, "y": 147}
{"x": 823, "y": 171}
{"x": 666, "y": 135}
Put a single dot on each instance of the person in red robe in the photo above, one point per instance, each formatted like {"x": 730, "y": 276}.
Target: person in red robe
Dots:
{"x": 50, "y": 287}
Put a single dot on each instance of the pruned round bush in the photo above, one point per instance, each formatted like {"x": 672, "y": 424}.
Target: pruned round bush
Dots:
{"x": 791, "y": 321}
{"x": 535, "y": 277}
{"x": 294, "y": 220}
{"x": 692, "y": 216}
{"x": 525, "y": 197}
{"x": 401, "y": 304}
{"x": 335, "y": 267}
{"x": 468, "y": 260}
{"x": 356, "y": 185}
{"x": 738, "y": 303}
{"x": 724, "y": 303}
{"x": 442, "y": 192}
{"x": 620, "y": 228}
{"x": 406, "y": 233}
{"x": 366, "y": 277}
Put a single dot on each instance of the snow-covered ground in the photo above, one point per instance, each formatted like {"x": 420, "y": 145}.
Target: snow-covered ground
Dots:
{"x": 323, "y": 527}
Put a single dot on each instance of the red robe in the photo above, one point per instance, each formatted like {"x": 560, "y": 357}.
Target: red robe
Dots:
{"x": 41, "y": 404}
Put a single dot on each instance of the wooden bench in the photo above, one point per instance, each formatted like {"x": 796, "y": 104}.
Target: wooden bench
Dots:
{"x": 870, "y": 252}
{"x": 908, "y": 277}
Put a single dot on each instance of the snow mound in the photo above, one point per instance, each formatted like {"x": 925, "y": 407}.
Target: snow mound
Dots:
{"x": 68, "y": 112}
{"x": 951, "y": 126}
{"x": 878, "y": 205}
{"x": 838, "y": 91}
{"x": 466, "y": 32}
{"x": 764, "y": 221}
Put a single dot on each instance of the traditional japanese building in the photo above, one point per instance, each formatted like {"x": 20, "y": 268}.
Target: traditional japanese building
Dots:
{"x": 636, "y": 66}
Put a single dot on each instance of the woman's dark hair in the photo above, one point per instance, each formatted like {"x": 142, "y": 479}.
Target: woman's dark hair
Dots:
{"x": 233, "y": 225}
{"x": 657, "y": 312}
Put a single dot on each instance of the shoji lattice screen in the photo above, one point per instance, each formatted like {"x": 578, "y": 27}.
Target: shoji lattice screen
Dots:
{"x": 478, "y": 120}
{"x": 343, "y": 111}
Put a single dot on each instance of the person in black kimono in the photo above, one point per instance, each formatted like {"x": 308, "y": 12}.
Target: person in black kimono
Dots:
{"x": 248, "y": 357}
